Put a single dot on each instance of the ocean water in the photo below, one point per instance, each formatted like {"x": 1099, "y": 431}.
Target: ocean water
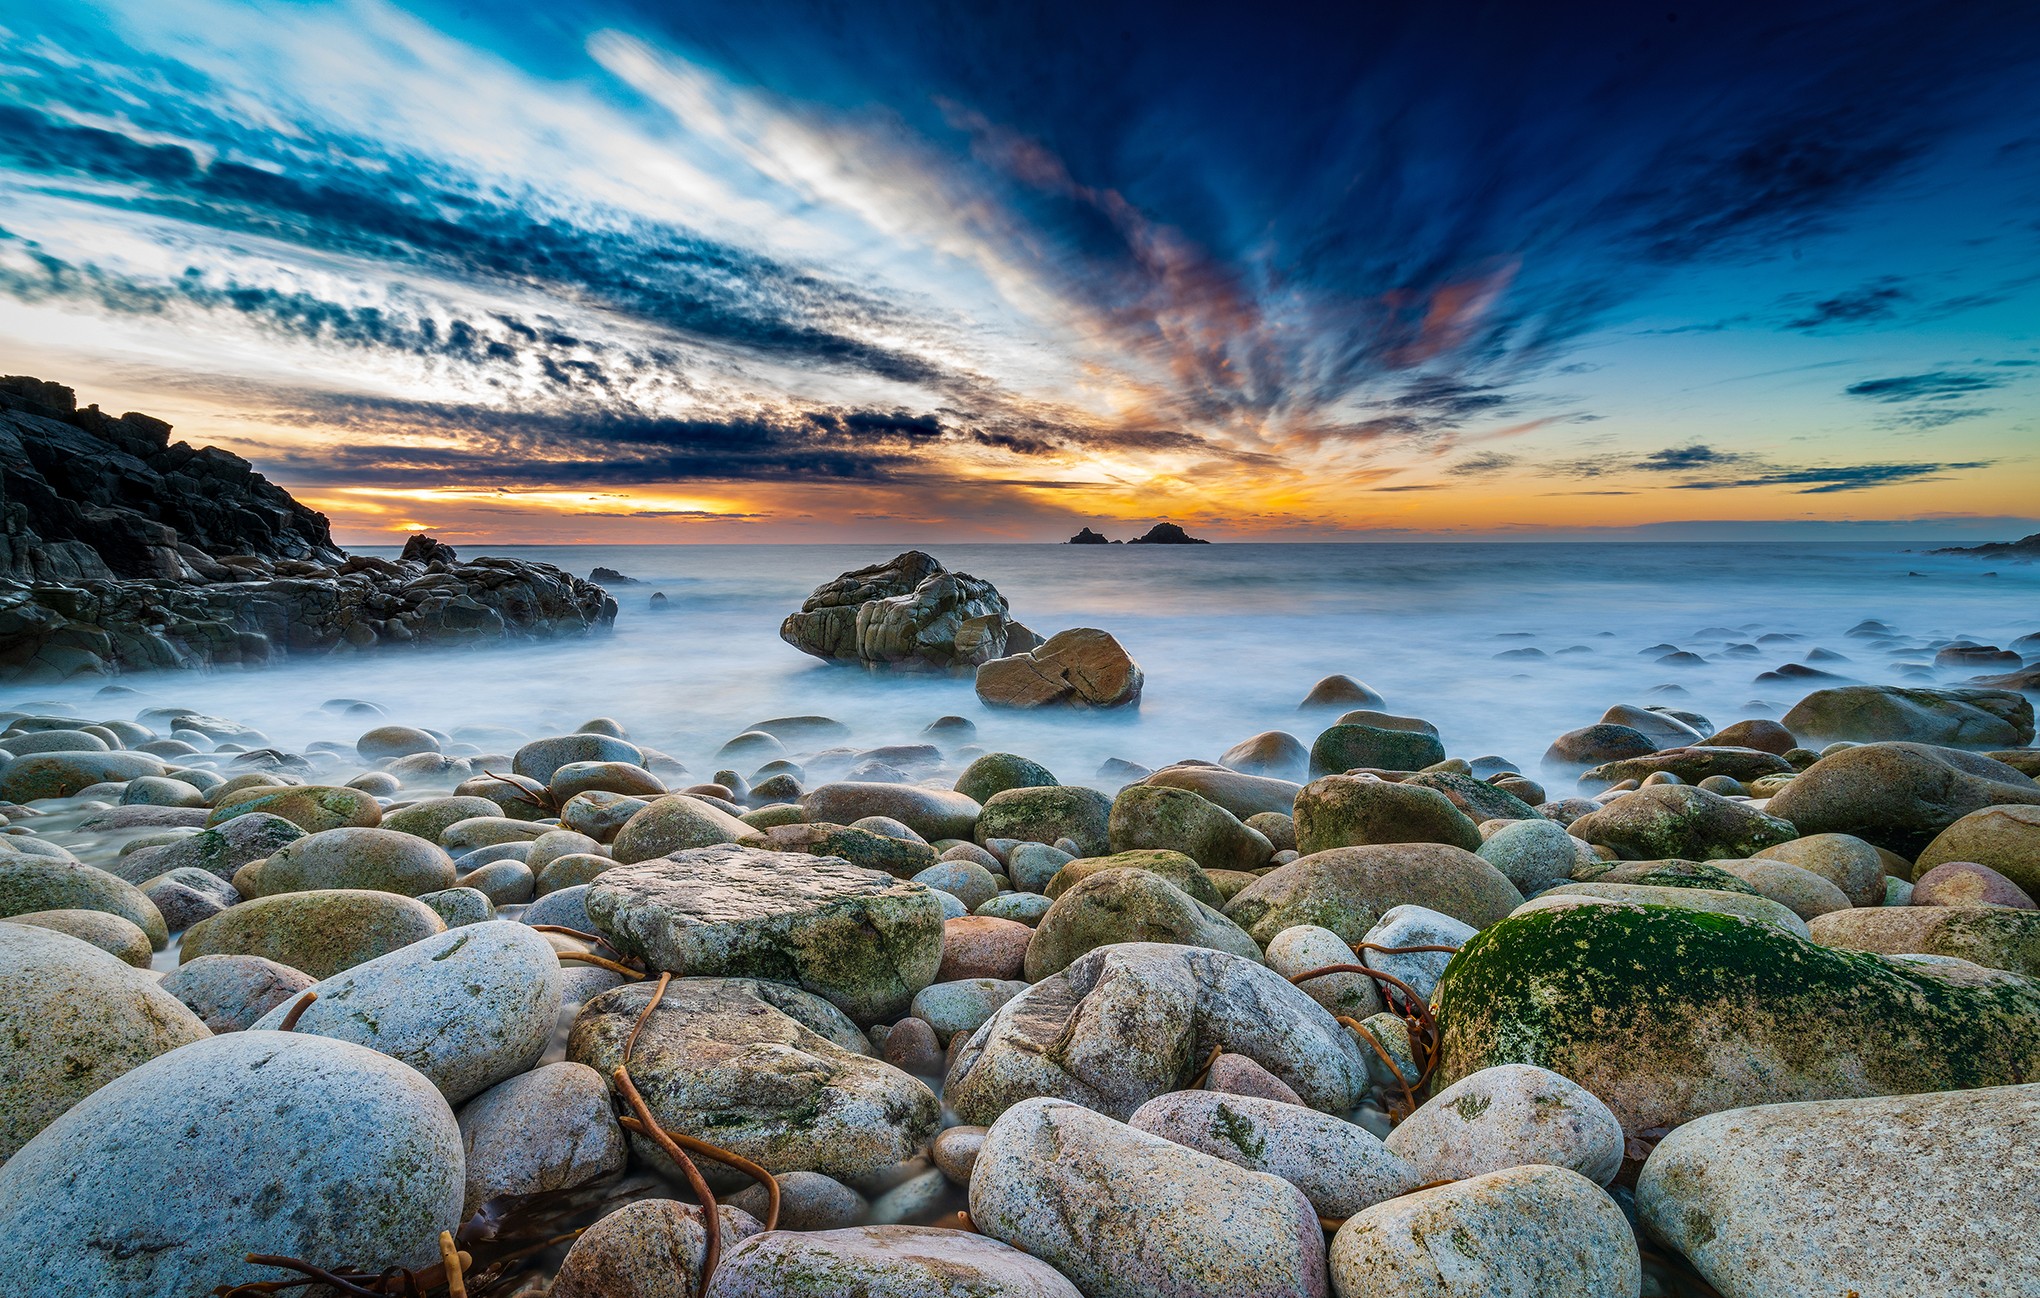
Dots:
{"x": 1230, "y": 637}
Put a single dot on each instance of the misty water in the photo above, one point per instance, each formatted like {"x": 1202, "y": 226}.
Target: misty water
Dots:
{"x": 1230, "y": 637}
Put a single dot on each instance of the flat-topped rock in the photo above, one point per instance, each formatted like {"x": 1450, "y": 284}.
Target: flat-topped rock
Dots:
{"x": 861, "y": 939}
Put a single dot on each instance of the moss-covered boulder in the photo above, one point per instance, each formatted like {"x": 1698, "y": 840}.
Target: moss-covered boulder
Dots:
{"x": 1045, "y": 814}
{"x": 1669, "y": 874}
{"x": 381, "y": 860}
{"x": 898, "y": 857}
{"x": 1898, "y": 796}
{"x": 1348, "y": 889}
{"x": 1748, "y": 905}
{"x": 1667, "y": 1015}
{"x": 998, "y": 772}
{"x": 219, "y": 852}
{"x": 860, "y": 939}
{"x": 431, "y": 817}
{"x": 1690, "y": 764}
{"x": 1479, "y": 800}
{"x": 1146, "y": 816}
{"x": 1356, "y": 810}
{"x": 33, "y": 883}
{"x": 319, "y": 933}
{"x": 1176, "y": 867}
{"x": 1677, "y": 821}
{"x": 1996, "y": 937}
{"x": 1376, "y": 748}
{"x": 311, "y": 807}
{"x": 1122, "y": 905}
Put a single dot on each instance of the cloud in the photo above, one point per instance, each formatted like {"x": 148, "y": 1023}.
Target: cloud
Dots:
{"x": 1873, "y": 302}
{"x": 1823, "y": 481}
{"x": 1937, "y": 385}
{"x": 1679, "y": 459}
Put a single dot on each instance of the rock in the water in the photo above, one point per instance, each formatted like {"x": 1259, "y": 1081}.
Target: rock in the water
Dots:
{"x": 1348, "y": 747}
{"x": 548, "y": 1129}
{"x": 1898, "y": 796}
{"x": 219, "y": 852}
{"x": 230, "y": 992}
{"x": 650, "y": 1248}
{"x": 1510, "y": 1116}
{"x": 909, "y": 614}
{"x": 860, "y": 939}
{"x": 43, "y": 883}
{"x": 382, "y": 860}
{"x": 1048, "y": 815}
{"x": 467, "y": 1008}
{"x": 2005, "y": 839}
{"x": 1595, "y": 744}
{"x": 998, "y": 772}
{"x": 1995, "y": 937}
{"x": 1123, "y": 905}
{"x": 164, "y": 1180}
{"x": 320, "y": 932}
{"x": 1125, "y": 1214}
{"x": 1898, "y": 1197}
{"x": 541, "y": 759}
{"x": 1348, "y": 889}
{"x": 1079, "y": 668}
{"x": 60, "y": 775}
{"x": 932, "y": 813}
{"x": 884, "y": 1262}
{"x": 72, "y": 1019}
{"x": 1129, "y": 1022}
{"x": 1540, "y": 1231}
{"x": 1339, "y": 1167}
{"x": 1152, "y": 817}
{"x": 1340, "y": 692}
{"x": 672, "y": 824}
{"x": 311, "y": 807}
{"x": 1359, "y": 810}
{"x": 1958, "y": 718}
{"x": 1274, "y": 753}
{"x": 1663, "y": 821}
{"x": 760, "y": 1068}
{"x": 1631, "y": 1002}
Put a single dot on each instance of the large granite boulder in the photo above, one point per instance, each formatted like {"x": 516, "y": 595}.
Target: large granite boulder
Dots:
{"x": 1079, "y": 668}
{"x": 1906, "y": 1196}
{"x": 1957, "y": 718}
{"x": 884, "y": 1262}
{"x": 1667, "y": 1015}
{"x": 909, "y": 614}
{"x": 1349, "y": 889}
{"x": 1898, "y": 796}
{"x": 1679, "y": 822}
{"x": 861, "y": 939}
{"x": 1996, "y": 937}
{"x": 319, "y": 933}
{"x": 2003, "y": 838}
{"x": 762, "y": 1069}
{"x": 1127, "y": 905}
{"x": 1129, "y": 1022}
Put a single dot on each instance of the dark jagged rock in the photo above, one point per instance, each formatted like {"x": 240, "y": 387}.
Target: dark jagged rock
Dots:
{"x": 1167, "y": 534}
{"x": 120, "y": 550}
{"x": 2026, "y": 547}
{"x": 908, "y": 614}
{"x": 1088, "y": 537}
{"x": 611, "y": 577}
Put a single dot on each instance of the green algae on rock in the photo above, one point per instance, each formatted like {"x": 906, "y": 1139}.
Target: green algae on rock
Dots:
{"x": 1995, "y": 937}
{"x": 1665, "y": 821}
{"x": 319, "y": 933}
{"x": 311, "y": 807}
{"x": 1667, "y": 1015}
{"x": 1127, "y": 905}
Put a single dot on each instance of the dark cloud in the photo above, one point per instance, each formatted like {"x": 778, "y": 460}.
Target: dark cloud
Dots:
{"x": 1876, "y": 301}
{"x": 1481, "y": 463}
{"x": 1937, "y": 385}
{"x": 1679, "y": 459}
{"x": 1822, "y": 481}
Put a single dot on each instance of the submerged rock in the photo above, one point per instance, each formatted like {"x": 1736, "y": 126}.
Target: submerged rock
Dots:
{"x": 1959, "y": 718}
{"x": 1079, "y": 668}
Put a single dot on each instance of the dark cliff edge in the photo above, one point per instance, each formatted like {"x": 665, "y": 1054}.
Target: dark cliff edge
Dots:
{"x": 2024, "y": 548}
{"x": 121, "y": 550}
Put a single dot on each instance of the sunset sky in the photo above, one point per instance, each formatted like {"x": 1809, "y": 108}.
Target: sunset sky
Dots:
{"x": 728, "y": 271}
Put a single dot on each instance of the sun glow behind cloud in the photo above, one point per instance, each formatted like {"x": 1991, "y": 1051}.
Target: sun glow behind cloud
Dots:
{"x": 598, "y": 279}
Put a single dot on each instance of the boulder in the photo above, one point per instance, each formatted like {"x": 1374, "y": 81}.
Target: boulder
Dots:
{"x": 1046, "y": 815}
{"x": 1146, "y": 816}
{"x": 43, "y": 883}
{"x": 1764, "y": 736}
{"x": 311, "y": 807}
{"x": 1080, "y": 668}
{"x": 1961, "y": 883}
{"x": 1124, "y": 1214}
{"x": 1176, "y": 867}
{"x": 34, "y": 776}
{"x": 860, "y": 939}
{"x": 934, "y": 814}
{"x": 1847, "y": 862}
{"x": 1903, "y": 1196}
{"x": 1664, "y": 729}
{"x": 2003, "y": 838}
{"x": 963, "y": 1004}
{"x": 1349, "y": 889}
{"x": 1242, "y": 794}
{"x": 110, "y": 933}
{"x": 1414, "y": 926}
{"x": 1339, "y": 692}
{"x": 1794, "y": 887}
{"x": 1898, "y": 795}
{"x": 73, "y": 1019}
{"x": 649, "y": 1248}
{"x": 230, "y": 992}
{"x": 381, "y": 860}
{"x": 1306, "y": 948}
{"x": 1661, "y": 821}
{"x": 393, "y": 741}
{"x": 1477, "y": 799}
{"x": 998, "y": 772}
{"x": 1341, "y": 1168}
{"x": 1595, "y": 744}
{"x": 320, "y": 933}
{"x": 1511, "y": 1115}
{"x": 907, "y": 614}
{"x": 220, "y": 852}
{"x": 1534, "y": 854}
{"x": 1528, "y": 1230}
{"x": 1630, "y": 1002}
{"x": 1700, "y": 762}
{"x": 765, "y": 1070}
{"x": 1351, "y": 747}
{"x": 1273, "y": 753}
{"x": 541, "y": 759}
{"x": 884, "y": 1262}
{"x": 1712, "y": 901}
{"x": 467, "y": 1008}
{"x": 548, "y": 1129}
{"x": 898, "y": 857}
{"x": 1996, "y": 937}
{"x": 167, "y": 1178}
{"x": 1129, "y": 1022}
{"x": 1358, "y": 810}
{"x": 1958, "y": 718}
{"x": 1127, "y": 905}
{"x": 675, "y": 823}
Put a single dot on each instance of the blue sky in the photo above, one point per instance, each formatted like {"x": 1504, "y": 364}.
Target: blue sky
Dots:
{"x": 660, "y": 272}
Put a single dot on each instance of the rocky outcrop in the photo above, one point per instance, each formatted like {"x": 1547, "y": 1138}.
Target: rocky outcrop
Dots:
{"x": 2026, "y": 547}
{"x": 1088, "y": 537}
{"x": 121, "y": 550}
{"x": 1080, "y": 668}
{"x": 908, "y": 614}
{"x": 1167, "y": 534}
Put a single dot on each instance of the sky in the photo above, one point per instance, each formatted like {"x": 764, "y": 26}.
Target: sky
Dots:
{"x": 812, "y": 270}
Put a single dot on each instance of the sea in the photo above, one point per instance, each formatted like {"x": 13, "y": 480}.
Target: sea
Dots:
{"x": 1501, "y": 645}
